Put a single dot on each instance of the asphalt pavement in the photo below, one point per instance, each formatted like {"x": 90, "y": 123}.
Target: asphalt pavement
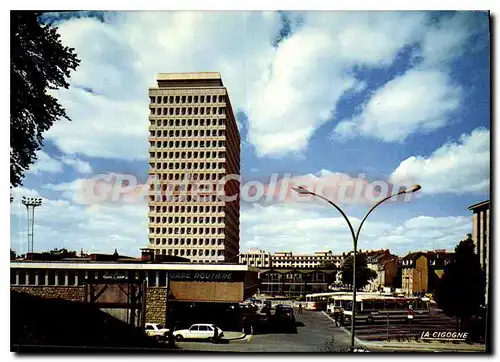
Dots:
{"x": 314, "y": 332}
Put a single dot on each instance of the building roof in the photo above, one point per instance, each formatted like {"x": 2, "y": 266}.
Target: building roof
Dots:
{"x": 188, "y": 76}
{"x": 481, "y": 204}
{"x": 24, "y": 264}
{"x": 413, "y": 256}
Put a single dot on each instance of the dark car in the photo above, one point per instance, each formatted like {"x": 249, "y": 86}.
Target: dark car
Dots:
{"x": 284, "y": 315}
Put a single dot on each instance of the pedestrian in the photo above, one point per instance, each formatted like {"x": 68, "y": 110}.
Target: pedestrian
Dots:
{"x": 216, "y": 333}
{"x": 337, "y": 319}
{"x": 300, "y": 308}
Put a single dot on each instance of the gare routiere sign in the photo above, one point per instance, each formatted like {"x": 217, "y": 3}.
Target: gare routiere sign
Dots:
{"x": 201, "y": 276}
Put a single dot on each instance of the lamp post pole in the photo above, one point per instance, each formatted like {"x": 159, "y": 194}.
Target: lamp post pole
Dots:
{"x": 31, "y": 203}
{"x": 355, "y": 237}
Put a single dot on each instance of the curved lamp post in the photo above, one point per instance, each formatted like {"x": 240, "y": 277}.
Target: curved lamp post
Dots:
{"x": 355, "y": 237}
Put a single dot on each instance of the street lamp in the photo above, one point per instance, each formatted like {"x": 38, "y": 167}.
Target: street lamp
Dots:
{"x": 355, "y": 237}
{"x": 31, "y": 203}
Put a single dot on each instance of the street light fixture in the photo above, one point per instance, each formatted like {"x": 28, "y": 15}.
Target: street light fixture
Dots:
{"x": 355, "y": 236}
{"x": 31, "y": 203}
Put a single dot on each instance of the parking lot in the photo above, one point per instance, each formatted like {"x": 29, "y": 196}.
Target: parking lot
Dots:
{"x": 396, "y": 331}
{"x": 314, "y": 332}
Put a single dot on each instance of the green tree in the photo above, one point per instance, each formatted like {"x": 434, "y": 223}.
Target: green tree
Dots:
{"x": 39, "y": 63}
{"x": 460, "y": 293}
{"x": 363, "y": 274}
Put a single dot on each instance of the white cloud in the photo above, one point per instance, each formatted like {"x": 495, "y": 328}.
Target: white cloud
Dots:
{"x": 98, "y": 228}
{"x": 45, "y": 163}
{"x": 49, "y": 164}
{"x": 467, "y": 160}
{"x": 79, "y": 165}
{"x": 280, "y": 227}
{"x": 444, "y": 40}
{"x": 417, "y": 101}
{"x": 287, "y": 92}
{"x": 424, "y": 98}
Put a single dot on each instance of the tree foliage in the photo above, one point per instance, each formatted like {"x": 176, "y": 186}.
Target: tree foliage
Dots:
{"x": 363, "y": 274}
{"x": 461, "y": 290}
{"x": 39, "y": 63}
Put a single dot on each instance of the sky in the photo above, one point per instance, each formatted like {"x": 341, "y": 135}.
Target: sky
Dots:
{"x": 379, "y": 96}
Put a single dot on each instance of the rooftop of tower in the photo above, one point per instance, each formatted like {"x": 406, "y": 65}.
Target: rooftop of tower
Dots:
{"x": 189, "y": 75}
{"x": 188, "y": 80}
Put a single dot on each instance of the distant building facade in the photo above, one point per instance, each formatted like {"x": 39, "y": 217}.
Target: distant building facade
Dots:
{"x": 422, "y": 270}
{"x": 386, "y": 266}
{"x": 481, "y": 235}
{"x": 260, "y": 258}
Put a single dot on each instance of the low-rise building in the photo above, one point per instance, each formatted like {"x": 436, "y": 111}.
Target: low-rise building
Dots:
{"x": 422, "y": 270}
{"x": 286, "y": 259}
{"x": 386, "y": 266}
{"x": 136, "y": 290}
{"x": 415, "y": 271}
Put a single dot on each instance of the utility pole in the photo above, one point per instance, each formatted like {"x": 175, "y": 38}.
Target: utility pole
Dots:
{"x": 31, "y": 203}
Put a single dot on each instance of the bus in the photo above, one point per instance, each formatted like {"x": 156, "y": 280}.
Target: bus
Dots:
{"x": 371, "y": 308}
{"x": 319, "y": 301}
{"x": 333, "y": 305}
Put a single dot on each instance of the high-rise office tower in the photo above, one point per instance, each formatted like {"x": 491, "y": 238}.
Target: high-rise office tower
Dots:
{"x": 193, "y": 138}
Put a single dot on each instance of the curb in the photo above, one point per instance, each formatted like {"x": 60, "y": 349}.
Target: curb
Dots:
{"x": 356, "y": 339}
{"x": 244, "y": 337}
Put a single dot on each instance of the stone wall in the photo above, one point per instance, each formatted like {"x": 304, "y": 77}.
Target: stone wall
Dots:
{"x": 156, "y": 305}
{"x": 76, "y": 294}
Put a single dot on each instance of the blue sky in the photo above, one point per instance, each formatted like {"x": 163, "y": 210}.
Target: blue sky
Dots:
{"x": 393, "y": 96}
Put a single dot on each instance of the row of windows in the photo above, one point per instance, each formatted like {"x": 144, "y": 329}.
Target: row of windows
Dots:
{"x": 46, "y": 277}
{"x": 188, "y": 208}
{"x": 186, "y": 230}
{"x": 183, "y": 144}
{"x": 187, "y": 111}
{"x": 201, "y": 176}
{"x": 184, "y": 198}
{"x": 313, "y": 277}
{"x": 193, "y": 252}
{"x": 188, "y": 154}
{"x": 187, "y": 122}
{"x": 187, "y": 165}
{"x": 292, "y": 259}
{"x": 188, "y": 133}
{"x": 188, "y": 219}
{"x": 188, "y": 241}
{"x": 188, "y": 99}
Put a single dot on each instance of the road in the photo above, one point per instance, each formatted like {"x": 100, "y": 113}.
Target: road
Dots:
{"x": 314, "y": 333}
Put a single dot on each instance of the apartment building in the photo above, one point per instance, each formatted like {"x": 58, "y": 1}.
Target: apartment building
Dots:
{"x": 422, "y": 270}
{"x": 260, "y": 258}
{"x": 193, "y": 140}
{"x": 386, "y": 266}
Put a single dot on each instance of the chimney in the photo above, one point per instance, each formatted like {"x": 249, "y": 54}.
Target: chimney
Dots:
{"x": 147, "y": 254}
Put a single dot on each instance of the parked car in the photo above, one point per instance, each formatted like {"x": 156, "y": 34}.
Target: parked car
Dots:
{"x": 198, "y": 331}
{"x": 284, "y": 315}
{"x": 157, "y": 331}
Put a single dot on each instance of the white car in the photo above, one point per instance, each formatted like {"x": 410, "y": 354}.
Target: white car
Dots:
{"x": 156, "y": 330}
{"x": 198, "y": 331}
